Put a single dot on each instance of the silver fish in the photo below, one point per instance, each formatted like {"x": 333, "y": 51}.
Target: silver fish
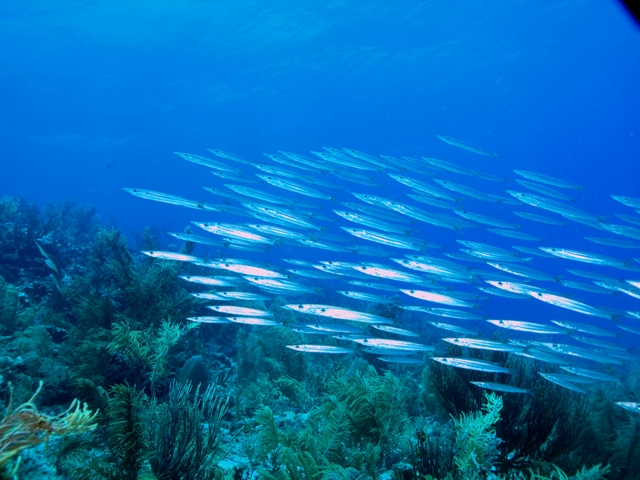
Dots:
{"x": 570, "y": 304}
{"x": 395, "y": 330}
{"x": 613, "y": 242}
{"x": 469, "y": 364}
{"x": 209, "y": 319}
{"x": 466, "y": 146}
{"x": 382, "y": 238}
{"x": 293, "y": 187}
{"x": 500, "y": 387}
{"x": 243, "y": 311}
{"x": 423, "y": 187}
{"x": 207, "y": 162}
{"x": 437, "y": 298}
{"x": 522, "y": 271}
{"x": 631, "y": 406}
{"x": 367, "y": 297}
{"x": 539, "y": 218}
{"x": 180, "y": 257}
{"x": 584, "y": 328}
{"x": 563, "y": 383}
{"x": 483, "y": 344}
{"x": 445, "y": 312}
{"x": 319, "y": 349}
{"x": 394, "y": 344}
{"x": 210, "y": 281}
{"x": 171, "y": 199}
{"x": 527, "y": 327}
{"x": 336, "y": 312}
{"x": 536, "y": 187}
{"x": 372, "y": 222}
{"x": 515, "y": 234}
{"x": 586, "y": 257}
{"x": 544, "y": 203}
{"x": 632, "y": 202}
{"x": 556, "y": 182}
{"x": 403, "y": 360}
{"x": 453, "y": 328}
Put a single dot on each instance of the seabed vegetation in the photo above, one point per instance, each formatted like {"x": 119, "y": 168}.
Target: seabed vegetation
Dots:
{"x": 103, "y": 378}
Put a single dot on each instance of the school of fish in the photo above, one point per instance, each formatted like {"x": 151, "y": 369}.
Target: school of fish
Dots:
{"x": 346, "y": 208}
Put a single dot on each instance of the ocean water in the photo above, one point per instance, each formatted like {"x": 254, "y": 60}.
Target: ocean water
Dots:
{"x": 97, "y": 97}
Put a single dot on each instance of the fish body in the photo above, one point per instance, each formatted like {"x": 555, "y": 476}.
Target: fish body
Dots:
{"x": 515, "y": 234}
{"x": 244, "y": 296}
{"x": 453, "y": 328}
{"x": 207, "y": 162}
{"x": 539, "y": 218}
{"x": 632, "y": 202}
{"x": 423, "y": 187}
{"x": 171, "y": 199}
{"x": 335, "y": 328}
{"x": 395, "y": 330}
{"x": 464, "y": 190}
{"x": 580, "y": 256}
{"x": 482, "y": 344}
{"x": 536, "y": 187}
{"x": 209, "y": 319}
{"x": 500, "y": 387}
{"x": 209, "y": 281}
{"x": 336, "y": 312}
{"x": 546, "y": 179}
{"x": 584, "y": 328}
{"x": 471, "y": 364}
{"x": 529, "y": 327}
{"x": 563, "y": 383}
{"x": 574, "y": 305}
{"x": 544, "y": 203}
{"x": 367, "y": 297}
{"x": 394, "y": 344}
{"x": 522, "y": 271}
{"x": 382, "y": 238}
{"x": 631, "y": 406}
{"x": 319, "y": 349}
{"x": 179, "y": 257}
{"x": 243, "y": 311}
{"x": 293, "y": 186}
{"x": 403, "y": 360}
{"x": 254, "y": 321}
{"x": 437, "y": 298}
{"x": 372, "y": 222}
{"x": 445, "y": 312}
{"x": 243, "y": 269}
{"x": 466, "y": 146}
{"x": 382, "y": 271}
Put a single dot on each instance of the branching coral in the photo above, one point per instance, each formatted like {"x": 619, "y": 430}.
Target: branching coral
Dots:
{"x": 148, "y": 351}
{"x": 186, "y": 433}
{"x": 25, "y": 427}
{"x": 8, "y": 208}
{"x": 476, "y": 440}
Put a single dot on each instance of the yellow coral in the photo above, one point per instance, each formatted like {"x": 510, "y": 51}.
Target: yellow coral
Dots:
{"x": 25, "y": 427}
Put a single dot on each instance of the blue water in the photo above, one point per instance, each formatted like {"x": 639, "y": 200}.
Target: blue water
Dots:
{"x": 97, "y": 95}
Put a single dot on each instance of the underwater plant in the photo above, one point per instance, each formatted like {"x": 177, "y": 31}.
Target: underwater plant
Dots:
{"x": 8, "y": 207}
{"x": 25, "y": 426}
{"x": 147, "y": 352}
{"x": 476, "y": 440}
{"x": 185, "y": 433}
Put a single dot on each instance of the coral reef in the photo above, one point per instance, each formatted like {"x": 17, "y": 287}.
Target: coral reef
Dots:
{"x": 83, "y": 315}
